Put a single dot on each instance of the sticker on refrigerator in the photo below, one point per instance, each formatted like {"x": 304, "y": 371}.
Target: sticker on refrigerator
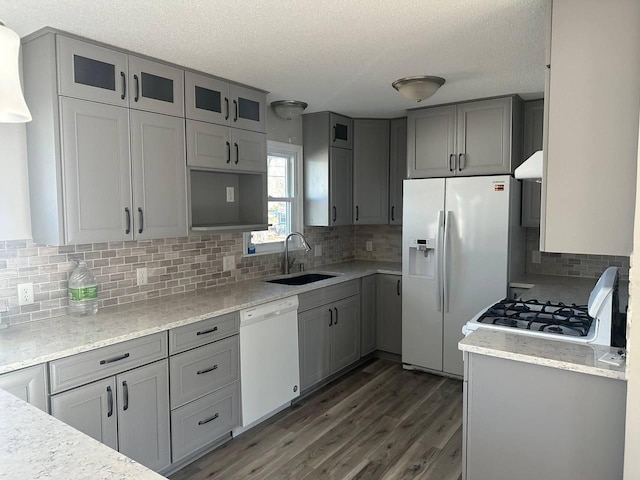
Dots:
{"x": 498, "y": 187}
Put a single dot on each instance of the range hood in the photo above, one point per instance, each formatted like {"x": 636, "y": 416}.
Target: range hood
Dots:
{"x": 531, "y": 168}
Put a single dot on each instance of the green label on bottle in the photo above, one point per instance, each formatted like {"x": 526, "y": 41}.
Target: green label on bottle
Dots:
{"x": 86, "y": 293}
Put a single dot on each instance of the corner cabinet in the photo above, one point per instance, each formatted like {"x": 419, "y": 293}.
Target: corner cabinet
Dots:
{"x": 591, "y": 150}
{"x": 389, "y": 313}
{"x": 370, "y": 171}
{"x": 368, "y": 314}
{"x": 28, "y": 384}
{"x": 328, "y": 169}
{"x": 474, "y": 138}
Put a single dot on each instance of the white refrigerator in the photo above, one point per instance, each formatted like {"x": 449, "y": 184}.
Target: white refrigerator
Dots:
{"x": 461, "y": 242}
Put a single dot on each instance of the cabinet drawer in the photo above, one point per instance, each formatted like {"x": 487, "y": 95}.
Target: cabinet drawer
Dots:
{"x": 201, "y": 422}
{"x": 86, "y": 367}
{"x": 204, "y": 370}
{"x": 201, "y": 333}
{"x": 326, "y": 295}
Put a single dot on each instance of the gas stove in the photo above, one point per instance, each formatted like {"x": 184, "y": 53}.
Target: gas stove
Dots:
{"x": 599, "y": 322}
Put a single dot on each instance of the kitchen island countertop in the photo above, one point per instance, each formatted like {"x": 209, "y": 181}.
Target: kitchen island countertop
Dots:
{"x": 576, "y": 357}
{"x": 34, "y": 444}
{"x": 32, "y": 343}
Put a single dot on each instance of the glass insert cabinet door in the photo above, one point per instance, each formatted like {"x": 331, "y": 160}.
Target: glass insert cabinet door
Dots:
{"x": 156, "y": 87}
{"x": 247, "y": 109}
{"x": 207, "y": 99}
{"x": 341, "y": 131}
{"x": 91, "y": 72}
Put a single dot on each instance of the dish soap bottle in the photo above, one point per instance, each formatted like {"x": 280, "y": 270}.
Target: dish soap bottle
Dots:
{"x": 251, "y": 248}
{"x": 83, "y": 291}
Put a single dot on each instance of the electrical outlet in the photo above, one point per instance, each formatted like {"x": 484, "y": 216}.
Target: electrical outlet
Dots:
{"x": 230, "y": 195}
{"x": 369, "y": 246}
{"x": 317, "y": 250}
{"x": 25, "y": 293}
{"x": 536, "y": 257}
{"x": 4, "y": 305}
{"x": 228, "y": 263}
{"x": 142, "y": 276}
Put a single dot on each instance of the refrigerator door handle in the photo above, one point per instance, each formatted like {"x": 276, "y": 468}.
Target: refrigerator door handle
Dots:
{"x": 445, "y": 260}
{"x": 439, "y": 254}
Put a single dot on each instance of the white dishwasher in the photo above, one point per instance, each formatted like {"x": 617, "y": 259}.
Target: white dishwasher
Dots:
{"x": 270, "y": 372}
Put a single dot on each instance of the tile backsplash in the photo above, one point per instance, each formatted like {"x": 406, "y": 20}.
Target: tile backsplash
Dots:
{"x": 174, "y": 265}
{"x": 386, "y": 242}
{"x": 570, "y": 264}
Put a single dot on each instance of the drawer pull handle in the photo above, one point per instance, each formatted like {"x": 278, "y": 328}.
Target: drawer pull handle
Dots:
{"x": 204, "y": 332}
{"x": 207, "y": 370}
{"x": 207, "y": 420}
{"x": 114, "y": 359}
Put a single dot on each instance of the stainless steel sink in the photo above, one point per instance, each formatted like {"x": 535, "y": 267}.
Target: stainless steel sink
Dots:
{"x": 301, "y": 279}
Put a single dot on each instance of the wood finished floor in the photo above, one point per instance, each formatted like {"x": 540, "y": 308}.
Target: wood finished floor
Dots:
{"x": 378, "y": 422}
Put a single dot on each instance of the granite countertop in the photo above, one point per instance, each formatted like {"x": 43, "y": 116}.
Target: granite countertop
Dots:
{"x": 576, "y": 357}
{"x": 34, "y": 444}
{"x": 42, "y": 341}
{"x": 569, "y": 290}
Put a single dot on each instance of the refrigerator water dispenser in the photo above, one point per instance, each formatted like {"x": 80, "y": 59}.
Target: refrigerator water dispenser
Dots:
{"x": 422, "y": 258}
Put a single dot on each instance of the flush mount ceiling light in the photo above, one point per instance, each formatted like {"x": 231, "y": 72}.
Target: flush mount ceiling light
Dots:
{"x": 13, "y": 108}
{"x": 289, "y": 109}
{"x": 419, "y": 87}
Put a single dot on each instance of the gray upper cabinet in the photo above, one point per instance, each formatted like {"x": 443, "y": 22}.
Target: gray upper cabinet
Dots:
{"x": 474, "y": 138}
{"x": 397, "y": 168}
{"x": 206, "y": 99}
{"x": 248, "y": 109}
{"x": 28, "y": 384}
{"x": 249, "y": 151}
{"x": 431, "y": 138}
{"x": 341, "y": 186}
{"x": 90, "y": 409}
{"x": 156, "y": 87}
{"x": 159, "y": 176}
{"x": 389, "y": 313}
{"x": 341, "y": 131}
{"x": 91, "y": 72}
{"x": 208, "y": 145}
{"x": 591, "y": 154}
{"x": 97, "y": 172}
{"x": 531, "y": 191}
{"x": 370, "y": 171}
{"x": 143, "y": 415}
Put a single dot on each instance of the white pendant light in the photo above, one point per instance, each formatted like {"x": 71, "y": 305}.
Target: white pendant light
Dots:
{"x": 289, "y": 109}
{"x": 419, "y": 87}
{"x": 13, "y": 108}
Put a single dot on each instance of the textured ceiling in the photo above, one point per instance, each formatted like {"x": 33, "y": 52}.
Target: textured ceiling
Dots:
{"x": 339, "y": 55}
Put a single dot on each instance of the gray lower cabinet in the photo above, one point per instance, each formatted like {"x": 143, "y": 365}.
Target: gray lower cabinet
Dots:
{"x": 389, "y": 313}
{"x": 159, "y": 176}
{"x": 567, "y": 425}
{"x": 28, "y": 384}
{"x": 370, "y": 171}
{"x": 129, "y": 412}
{"x": 368, "y": 315}
{"x": 329, "y": 339}
{"x": 483, "y": 137}
{"x": 397, "y": 168}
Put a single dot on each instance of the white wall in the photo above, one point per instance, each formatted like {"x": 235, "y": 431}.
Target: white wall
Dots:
{"x": 632, "y": 427}
{"x": 15, "y": 223}
{"x": 280, "y": 130}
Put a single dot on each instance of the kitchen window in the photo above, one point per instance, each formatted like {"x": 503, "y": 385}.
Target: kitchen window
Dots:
{"x": 284, "y": 189}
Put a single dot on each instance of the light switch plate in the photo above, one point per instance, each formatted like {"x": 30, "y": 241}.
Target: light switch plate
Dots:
{"x": 231, "y": 195}
{"x": 317, "y": 250}
{"x": 369, "y": 246}
{"x": 228, "y": 263}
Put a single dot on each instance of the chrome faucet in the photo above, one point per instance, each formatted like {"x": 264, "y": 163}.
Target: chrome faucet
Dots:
{"x": 307, "y": 248}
